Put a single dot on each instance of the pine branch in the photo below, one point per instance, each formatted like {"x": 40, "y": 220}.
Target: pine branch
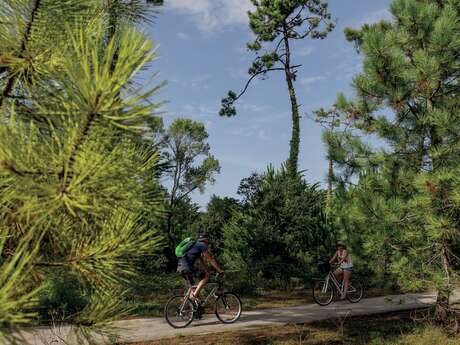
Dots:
{"x": 246, "y": 86}
{"x": 82, "y": 137}
{"x": 12, "y": 79}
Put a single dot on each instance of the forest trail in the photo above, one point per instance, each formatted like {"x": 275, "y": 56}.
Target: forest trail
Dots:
{"x": 145, "y": 329}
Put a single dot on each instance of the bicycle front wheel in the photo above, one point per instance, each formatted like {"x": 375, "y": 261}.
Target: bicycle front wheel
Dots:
{"x": 228, "y": 307}
{"x": 322, "y": 292}
{"x": 179, "y": 312}
{"x": 354, "y": 293}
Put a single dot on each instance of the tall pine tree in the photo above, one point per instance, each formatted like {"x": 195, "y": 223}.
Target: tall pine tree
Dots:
{"x": 276, "y": 25}
{"x": 406, "y": 201}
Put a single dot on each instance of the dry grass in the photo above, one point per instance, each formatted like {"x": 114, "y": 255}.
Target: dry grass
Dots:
{"x": 279, "y": 299}
{"x": 390, "y": 329}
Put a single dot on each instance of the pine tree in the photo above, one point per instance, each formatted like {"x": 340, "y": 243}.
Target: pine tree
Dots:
{"x": 407, "y": 97}
{"x": 281, "y": 233}
{"x": 74, "y": 176}
{"x": 276, "y": 24}
{"x": 337, "y": 133}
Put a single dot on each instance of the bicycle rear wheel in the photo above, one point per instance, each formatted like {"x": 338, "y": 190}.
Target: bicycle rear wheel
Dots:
{"x": 179, "y": 312}
{"x": 228, "y": 307}
{"x": 322, "y": 293}
{"x": 355, "y": 292}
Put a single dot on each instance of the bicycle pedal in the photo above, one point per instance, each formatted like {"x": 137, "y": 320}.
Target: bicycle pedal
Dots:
{"x": 198, "y": 314}
{"x": 197, "y": 302}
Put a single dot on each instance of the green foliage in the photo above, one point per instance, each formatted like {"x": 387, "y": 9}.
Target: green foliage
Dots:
{"x": 190, "y": 167}
{"x": 17, "y": 295}
{"x": 75, "y": 178}
{"x": 185, "y": 215}
{"x": 399, "y": 202}
{"x": 218, "y": 213}
{"x": 62, "y": 294}
{"x": 228, "y": 109}
{"x": 283, "y": 232}
{"x": 298, "y": 18}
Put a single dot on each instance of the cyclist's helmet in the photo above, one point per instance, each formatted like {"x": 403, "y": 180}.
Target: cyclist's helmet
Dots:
{"x": 203, "y": 237}
{"x": 341, "y": 244}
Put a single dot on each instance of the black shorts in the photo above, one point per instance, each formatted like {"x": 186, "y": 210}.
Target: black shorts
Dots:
{"x": 190, "y": 275}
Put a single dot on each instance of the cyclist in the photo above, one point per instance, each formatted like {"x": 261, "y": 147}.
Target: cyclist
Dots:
{"x": 186, "y": 265}
{"x": 345, "y": 268}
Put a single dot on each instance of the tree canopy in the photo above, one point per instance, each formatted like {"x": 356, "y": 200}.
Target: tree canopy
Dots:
{"x": 404, "y": 207}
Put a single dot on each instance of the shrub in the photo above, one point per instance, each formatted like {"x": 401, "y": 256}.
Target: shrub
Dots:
{"x": 62, "y": 292}
{"x": 282, "y": 233}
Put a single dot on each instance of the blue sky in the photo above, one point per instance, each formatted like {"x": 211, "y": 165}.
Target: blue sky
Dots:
{"x": 201, "y": 47}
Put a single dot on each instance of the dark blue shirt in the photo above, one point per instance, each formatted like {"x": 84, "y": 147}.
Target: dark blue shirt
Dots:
{"x": 195, "y": 252}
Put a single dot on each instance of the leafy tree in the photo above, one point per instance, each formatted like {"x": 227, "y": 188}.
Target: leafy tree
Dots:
{"x": 190, "y": 166}
{"x": 186, "y": 214}
{"x": 249, "y": 188}
{"x": 218, "y": 213}
{"x": 283, "y": 234}
{"x": 276, "y": 24}
{"x": 72, "y": 176}
{"x": 407, "y": 97}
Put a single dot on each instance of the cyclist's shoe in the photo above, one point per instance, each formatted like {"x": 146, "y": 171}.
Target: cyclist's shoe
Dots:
{"x": 199, "y": 311}
{"x": 196, "y": 302}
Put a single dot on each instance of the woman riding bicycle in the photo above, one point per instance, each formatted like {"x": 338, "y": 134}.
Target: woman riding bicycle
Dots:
{"x": 343, "y": 259}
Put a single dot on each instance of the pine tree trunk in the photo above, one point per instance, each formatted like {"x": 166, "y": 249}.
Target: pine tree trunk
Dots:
{"x": 295, "y": 136}
{"x": 330, "y": 178}
{"x": 168, "y": 252}
{"x": 442, "y": 308}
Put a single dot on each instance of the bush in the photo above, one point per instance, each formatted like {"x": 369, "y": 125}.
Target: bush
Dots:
{"x": 62, "y": 292}
{"x": 282, "y": 233}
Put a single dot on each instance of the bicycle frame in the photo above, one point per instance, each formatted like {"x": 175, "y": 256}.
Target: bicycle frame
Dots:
{"x": 331, "y": 277}
{"x": 215, "y": 287}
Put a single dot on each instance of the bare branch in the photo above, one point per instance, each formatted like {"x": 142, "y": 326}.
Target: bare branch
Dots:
{"x": 254, "y": 76}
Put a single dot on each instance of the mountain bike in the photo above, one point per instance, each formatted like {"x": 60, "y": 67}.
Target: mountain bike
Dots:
{"x": 180, "y": 310}
{"x": 324, "y": 290}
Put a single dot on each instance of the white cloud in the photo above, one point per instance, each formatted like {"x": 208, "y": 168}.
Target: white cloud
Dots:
{"x": 183, "y": 36}
{"x": 253, "y": 108}
{"x": 262, "y": 135}
{"x": 213, "y": 15}
{"x": 209, "y": 125}
{"x": 376, "y": 16}
{"x": 196, "y": 111}
{"x": 238, "y": 73}
{"x": 196, "y": 82}
{"x": 311, "y": 80}
{"x": 304, "y": 51}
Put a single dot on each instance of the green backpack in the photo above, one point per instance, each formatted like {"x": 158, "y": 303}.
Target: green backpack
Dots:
{"x": 183, "y": 247}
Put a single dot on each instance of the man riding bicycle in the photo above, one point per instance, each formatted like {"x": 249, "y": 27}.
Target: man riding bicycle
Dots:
{"x": 186, "y": 265}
